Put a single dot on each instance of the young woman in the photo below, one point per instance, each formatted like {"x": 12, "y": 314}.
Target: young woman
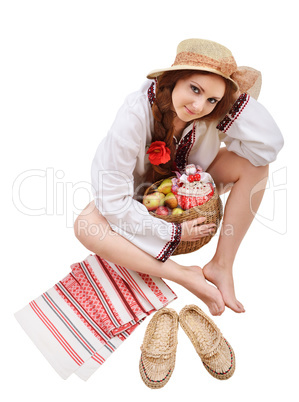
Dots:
{"x": 182, "y": 112}
{"x": 187, "y": 107}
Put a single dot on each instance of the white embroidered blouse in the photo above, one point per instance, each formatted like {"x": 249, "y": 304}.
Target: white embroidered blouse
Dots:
{"x": 120, "y": 162}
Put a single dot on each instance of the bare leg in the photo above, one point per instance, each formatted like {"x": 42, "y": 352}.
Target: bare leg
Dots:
{"x": 237, "y": 174}
{"x": 94, "y": 232}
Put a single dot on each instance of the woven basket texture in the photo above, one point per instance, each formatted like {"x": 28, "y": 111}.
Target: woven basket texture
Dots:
{"x": 159, "y": 348}
{"x": 212, "y": 210}
{"x": 215, "y": 352}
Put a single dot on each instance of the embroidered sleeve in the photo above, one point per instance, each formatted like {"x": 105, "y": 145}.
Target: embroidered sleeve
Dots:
{"x": 151, "y": 94}
{"x": 113, "y": 189}
{"x": 169, "y": 247}
{"x": 234, "y": 113}
{"x": 251, "y": 132}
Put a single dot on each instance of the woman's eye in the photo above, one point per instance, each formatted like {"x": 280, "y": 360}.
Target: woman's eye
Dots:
{"x": 212, "y": 101}
{"x": 195, "y": 89}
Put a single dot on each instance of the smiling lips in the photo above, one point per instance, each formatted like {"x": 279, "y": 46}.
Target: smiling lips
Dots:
{"x": 189, "y": 111}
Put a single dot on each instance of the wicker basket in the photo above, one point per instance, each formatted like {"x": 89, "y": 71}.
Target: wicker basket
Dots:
{"x": 212, "y": 210}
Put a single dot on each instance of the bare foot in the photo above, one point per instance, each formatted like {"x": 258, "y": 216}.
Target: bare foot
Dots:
{"x": 195, "y": 282}
{"x": 223, "y": 278}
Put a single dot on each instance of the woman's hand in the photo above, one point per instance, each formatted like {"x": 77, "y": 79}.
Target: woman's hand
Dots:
{"x": 194, "y": 230}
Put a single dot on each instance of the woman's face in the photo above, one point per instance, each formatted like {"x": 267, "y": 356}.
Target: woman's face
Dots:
{"x": 197, "y": 95}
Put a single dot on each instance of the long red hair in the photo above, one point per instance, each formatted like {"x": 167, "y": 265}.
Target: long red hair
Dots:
{"x": 164, "y": 116}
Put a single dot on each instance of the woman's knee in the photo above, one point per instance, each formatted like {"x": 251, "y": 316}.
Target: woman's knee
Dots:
{"x": 253, "y": 173}
{"x": 81, "y": 228}
{"x": 91, "y": 227}
{"x": 228, "y": 168}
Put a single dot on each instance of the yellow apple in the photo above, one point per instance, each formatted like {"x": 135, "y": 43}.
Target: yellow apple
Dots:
{"x": 171, "y": 200}
{"x": 165, "y": 186}
{"x": 151, "y": 201}
{"x": 177, "y": 211}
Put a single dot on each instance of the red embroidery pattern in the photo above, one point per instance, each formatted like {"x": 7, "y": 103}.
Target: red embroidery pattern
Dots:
{"x": 234, "y": 113}
{"x": 87, "y": 300}
{"x": 125, "y": 293}
{"x": 78, "y": 313}
{"x": 80, "y": 298}
{"x": 110, "y": 309}
{"x": 98, "y": 309}
{"x": 154, "y": 288}
{"x": 169, "y": 247}
{"x": 183, "y": 150}
{"x": 151, "y": 94}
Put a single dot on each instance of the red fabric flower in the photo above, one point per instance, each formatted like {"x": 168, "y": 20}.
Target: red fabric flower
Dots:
{"x": 158, "y": 153}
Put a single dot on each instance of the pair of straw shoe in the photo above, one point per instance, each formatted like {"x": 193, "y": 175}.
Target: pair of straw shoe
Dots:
{"x": 158, "y": 351}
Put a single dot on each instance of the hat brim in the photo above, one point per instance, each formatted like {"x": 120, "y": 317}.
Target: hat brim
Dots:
{"x": 156, "y": 73}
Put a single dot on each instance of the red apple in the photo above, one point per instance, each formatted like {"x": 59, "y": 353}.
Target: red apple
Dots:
{"x": 162, "y": 211}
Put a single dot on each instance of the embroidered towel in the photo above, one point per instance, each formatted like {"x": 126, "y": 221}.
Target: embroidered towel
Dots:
{"x": 78, "y": 323}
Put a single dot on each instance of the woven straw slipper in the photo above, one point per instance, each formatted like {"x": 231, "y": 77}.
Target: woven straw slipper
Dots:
{"x": 158, "y": 350}
{"x": 215, "y": 352}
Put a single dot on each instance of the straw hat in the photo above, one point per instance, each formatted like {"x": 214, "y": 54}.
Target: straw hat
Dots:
{"x": 206, "y": 55}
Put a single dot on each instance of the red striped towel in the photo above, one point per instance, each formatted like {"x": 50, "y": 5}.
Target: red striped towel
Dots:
{"x": 78, "y": 323}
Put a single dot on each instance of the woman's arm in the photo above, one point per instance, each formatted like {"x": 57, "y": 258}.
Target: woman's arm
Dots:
{"x": 117, "y": 158}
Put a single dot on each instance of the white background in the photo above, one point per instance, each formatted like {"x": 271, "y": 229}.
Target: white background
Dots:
{"x": 66, "y": 67}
